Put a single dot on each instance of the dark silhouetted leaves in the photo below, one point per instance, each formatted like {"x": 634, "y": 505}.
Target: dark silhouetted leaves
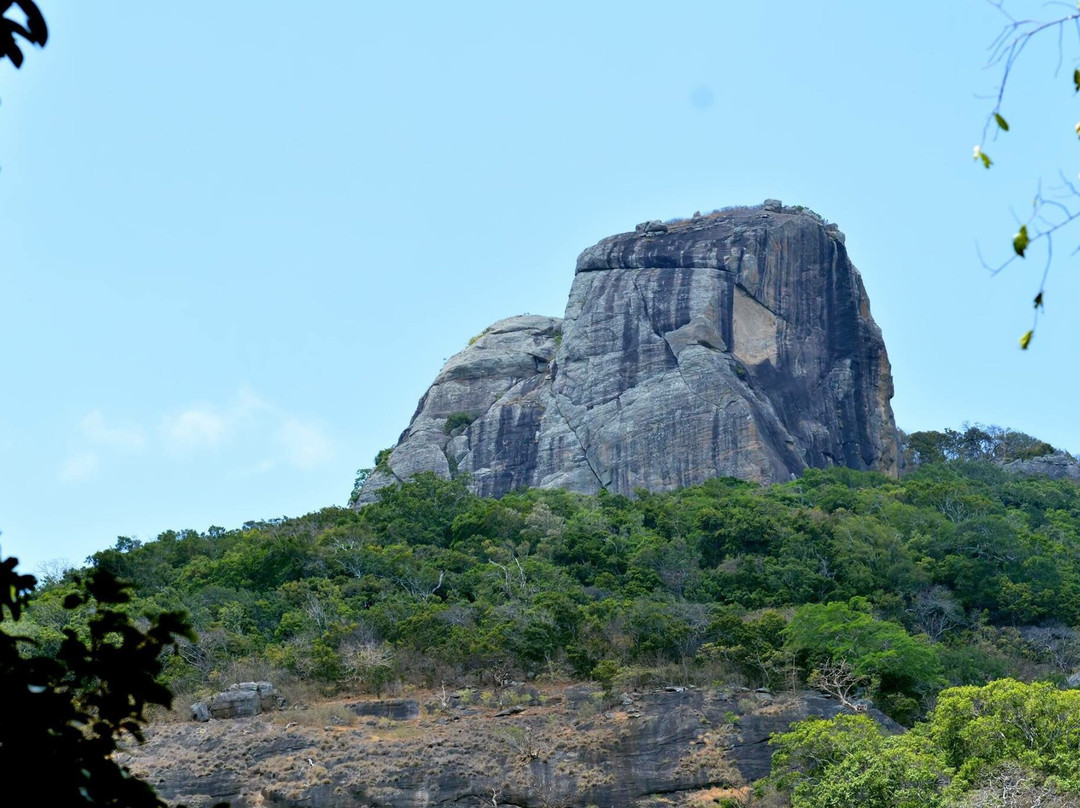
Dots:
{"x": 34, "y": 31}
{"x": 14, "y": 589}
{"x": 1001, "y": 122}
{"x": 1039, "y": 300}
{"x": 65, "y": 715}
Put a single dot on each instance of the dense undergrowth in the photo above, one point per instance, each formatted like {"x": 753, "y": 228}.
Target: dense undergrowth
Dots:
{"x": 873, "y": 588}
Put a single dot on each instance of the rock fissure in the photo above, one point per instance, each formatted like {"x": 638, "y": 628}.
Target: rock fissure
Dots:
{"x": 580, "y": 442}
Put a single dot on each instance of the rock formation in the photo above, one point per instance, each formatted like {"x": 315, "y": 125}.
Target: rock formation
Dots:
{"x": 239, "y": 701}
{"x": 568, "y": 747}
{"x": 1056, "y": 466}
{"x": 738, "y": 343}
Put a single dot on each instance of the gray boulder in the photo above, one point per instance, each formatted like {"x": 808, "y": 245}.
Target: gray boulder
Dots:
{"x": 200, "y": 711}
{"x": 727, "y": 345}
{"x": 654, "y": 226}
{"x": 1057, "y": 466}
{"x": 239, "y": 701}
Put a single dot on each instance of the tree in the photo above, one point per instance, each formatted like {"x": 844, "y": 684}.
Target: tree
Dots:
{"x": 65, "y": 716}
{"x": 849, "y": 761}
{"x": 902, "y": 668}
{"x": 1003, "y": 745}
{"x": 1035, "y": 725}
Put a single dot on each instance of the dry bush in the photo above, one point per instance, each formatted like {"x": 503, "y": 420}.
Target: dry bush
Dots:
{"x": 1011, "y": 786}
{"x": 322, "y": 715}
{"x": 246, "y": 669}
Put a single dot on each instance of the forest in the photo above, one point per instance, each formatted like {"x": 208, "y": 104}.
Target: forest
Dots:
{"x": 949, "y": 599}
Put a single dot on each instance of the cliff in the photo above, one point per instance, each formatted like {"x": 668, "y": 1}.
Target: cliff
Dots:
{"x": 734, "y": 344}
{"x": 567, "y": 746}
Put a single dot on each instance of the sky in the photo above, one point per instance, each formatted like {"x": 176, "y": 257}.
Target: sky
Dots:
{"x": 238, "y": 242}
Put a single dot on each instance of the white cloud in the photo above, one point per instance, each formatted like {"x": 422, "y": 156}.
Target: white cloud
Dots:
{"x": 195, "y": 428}
{"x": 305, "y": 445}
{"x": 249, "y": 434}
{"x": 205, "y": 426}
{"x": 247, "y": 403}
{"x": 79, "y": 467}
{"x": 122, "y": 436}
{"x": 253, "y": 469}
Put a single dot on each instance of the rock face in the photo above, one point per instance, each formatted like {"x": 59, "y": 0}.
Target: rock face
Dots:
{"x": 1057, "y": 466}
{"x": 239, "y": 701}
{"x": 572, "y": 748}
{"x": 739, "y": 343}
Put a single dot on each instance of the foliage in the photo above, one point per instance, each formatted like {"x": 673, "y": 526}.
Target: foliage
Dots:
{"x": 1035, "y": 725}
{"x": 475, "y": 337}
{"x": 1059, "y": 209}
{"x": 1007, "y": 736}
{"x": 35, "y": 31}
{"x": 976, "y": 443}
{"x": 849, "y": 761}
{"x": 953, "y": 575}
{"x": 66, "y": 713}
{"x": 902, "y": 668}
{"x": 457, "y": 420}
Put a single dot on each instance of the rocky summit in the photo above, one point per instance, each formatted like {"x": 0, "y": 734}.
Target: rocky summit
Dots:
{"x": 738, "y": 343}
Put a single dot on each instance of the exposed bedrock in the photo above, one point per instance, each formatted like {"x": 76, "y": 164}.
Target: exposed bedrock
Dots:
{"x": 739, "y": 343}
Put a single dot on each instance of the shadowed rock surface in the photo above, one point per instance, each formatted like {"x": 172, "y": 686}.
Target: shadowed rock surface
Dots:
{"x": 571, "y": 748}
{"x": 736, "y": 344}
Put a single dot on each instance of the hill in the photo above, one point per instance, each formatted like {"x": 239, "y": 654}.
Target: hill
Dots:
{"x": 872, "y": 589}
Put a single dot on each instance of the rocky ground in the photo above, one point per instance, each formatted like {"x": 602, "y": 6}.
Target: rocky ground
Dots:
{"x": 518, "y": 746}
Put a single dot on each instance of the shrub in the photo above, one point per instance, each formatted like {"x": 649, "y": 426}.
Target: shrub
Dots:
{"x": 456, "y": 420}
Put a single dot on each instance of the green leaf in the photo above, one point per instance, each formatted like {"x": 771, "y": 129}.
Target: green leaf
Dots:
{"x": 1021, "y": 241}
{"x": 1026, "y": 340}
{"x": 1076, "y": 80}
{"x": 1039, "y": 300}
{"x": 1001, "y": 122}
{"x": 986, "y": 161}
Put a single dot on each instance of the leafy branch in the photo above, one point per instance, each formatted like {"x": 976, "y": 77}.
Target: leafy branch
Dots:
{"x": 1049, "y": 214}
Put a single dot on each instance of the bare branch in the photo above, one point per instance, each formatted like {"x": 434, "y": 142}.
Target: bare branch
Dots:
{"x": 838, "y": 678}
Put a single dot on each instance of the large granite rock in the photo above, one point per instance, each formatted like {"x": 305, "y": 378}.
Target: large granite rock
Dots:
{"x": 739, "y": 343}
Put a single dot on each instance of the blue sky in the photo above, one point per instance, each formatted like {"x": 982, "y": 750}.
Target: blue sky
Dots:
{"x": 240, "y": 241}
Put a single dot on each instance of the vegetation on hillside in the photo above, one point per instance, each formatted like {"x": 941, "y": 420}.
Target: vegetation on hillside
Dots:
{"x": 1003, "y": 744}
{"x": 871, "y": 588}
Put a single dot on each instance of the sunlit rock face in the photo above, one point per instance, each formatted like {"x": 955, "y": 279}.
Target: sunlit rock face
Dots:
{"x": 734, "y": 344}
